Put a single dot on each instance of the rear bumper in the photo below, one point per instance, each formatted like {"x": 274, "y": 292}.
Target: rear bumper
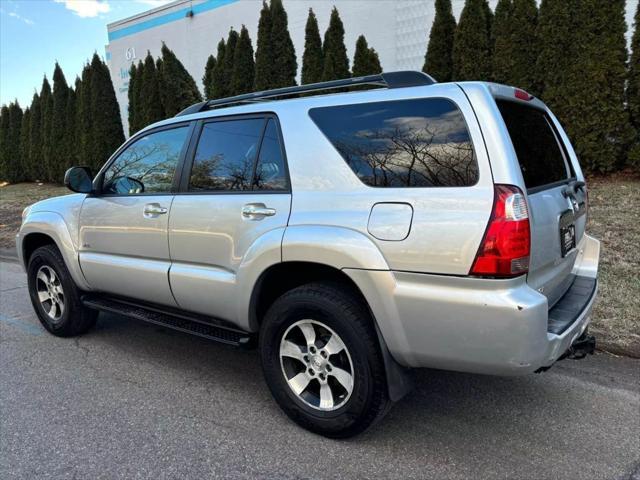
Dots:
{"x": 498, "y": 327}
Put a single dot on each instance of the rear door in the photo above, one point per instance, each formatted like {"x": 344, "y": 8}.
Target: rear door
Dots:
{"x": 235, "y": 188}
{"x": 556, "y": 199}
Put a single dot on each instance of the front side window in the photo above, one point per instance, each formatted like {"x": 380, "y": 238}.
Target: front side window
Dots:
{"x": 148, "y": 165}
{"x": 406, "y": 143}
{"x": 226, "y": 154}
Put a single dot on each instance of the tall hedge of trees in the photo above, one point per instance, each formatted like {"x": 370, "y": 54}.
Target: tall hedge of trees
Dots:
{"x": 63, "y": 126}
{"x": 571, "y": 53}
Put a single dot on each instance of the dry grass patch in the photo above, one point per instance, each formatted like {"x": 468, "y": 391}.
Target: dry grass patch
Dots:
{"x": 614, "y": 219}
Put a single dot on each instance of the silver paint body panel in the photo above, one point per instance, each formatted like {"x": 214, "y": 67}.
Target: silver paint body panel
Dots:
{"x": 204, "y": 256}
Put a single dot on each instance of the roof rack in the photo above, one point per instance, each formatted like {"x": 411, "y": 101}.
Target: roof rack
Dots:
{"x": 399, "y": 79}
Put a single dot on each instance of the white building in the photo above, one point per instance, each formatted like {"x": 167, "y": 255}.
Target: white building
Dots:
{"x": 398, "y": 30}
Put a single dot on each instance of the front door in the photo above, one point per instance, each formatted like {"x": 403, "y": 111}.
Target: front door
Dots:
{"x": 236, "y": 191}
{"x": 124, "y": 246}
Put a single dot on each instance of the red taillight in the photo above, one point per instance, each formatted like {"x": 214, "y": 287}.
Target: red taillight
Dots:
{"x": 504, "y": 251}
{"x": 522, "y": 95}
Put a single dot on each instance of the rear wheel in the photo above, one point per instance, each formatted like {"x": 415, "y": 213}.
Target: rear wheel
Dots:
{"x": 54, "y": 295}
{"x": 322, "y": 361}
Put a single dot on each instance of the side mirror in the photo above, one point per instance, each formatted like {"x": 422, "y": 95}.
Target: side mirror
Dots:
{"x": 78, "y": 179}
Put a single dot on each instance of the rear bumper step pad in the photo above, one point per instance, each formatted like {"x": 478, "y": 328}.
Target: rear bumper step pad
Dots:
{"x": 176, "y": 321}
{"x": 571, "y": 305}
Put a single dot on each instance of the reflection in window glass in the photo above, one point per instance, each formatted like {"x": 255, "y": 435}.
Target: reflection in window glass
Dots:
{"x": 225, "y": 155}
{"x": 270, "y": 174}
{"x": 148, "y": 165}
{"x": 407, "y": 143}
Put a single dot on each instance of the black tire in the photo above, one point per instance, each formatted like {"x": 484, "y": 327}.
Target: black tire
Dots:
{"x": 336, "y": 307}
{"x": 75, "y": 318}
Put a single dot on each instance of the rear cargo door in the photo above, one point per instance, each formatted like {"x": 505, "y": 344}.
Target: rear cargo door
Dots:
{"x": 556, "y": 198}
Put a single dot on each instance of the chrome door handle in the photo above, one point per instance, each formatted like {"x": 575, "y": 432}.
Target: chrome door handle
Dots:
{"x": 154, "y": 209}
{"x": 257, "y": 211}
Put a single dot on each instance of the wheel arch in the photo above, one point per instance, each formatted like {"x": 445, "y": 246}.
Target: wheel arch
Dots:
{"x": 284, "y": 276}
{"x": 49, "y": 228}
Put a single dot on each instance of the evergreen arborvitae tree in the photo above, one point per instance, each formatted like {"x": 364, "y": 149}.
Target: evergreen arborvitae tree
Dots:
{"x": 5, "y": 172}
{"x": 438, "y": 61}
{"x": 152, "y": 102}
{"x": 555, "y": 51}
{"x": 336, "y": 62}
{"x": 179, "y": 89}
{"x": 312, "y": 60}
{"x": 70, "y": 161}
{"x": 488, "y": 15}
{"x": 25, "y": 143}
{"x": 264, "y": 51}
{"x": 139, "y": 95}
{"x": 502, "y": 36}
{"x": 207, "y": 78}
{"x": 633, "y": 91}
{"x": 11, "y": 167}
{"x": 218, "y": 87}
{"x": 515, "y": 46}
{"x": 601, "y": 130}
{"x": 132, "y": 98}
{"x": 107, "y": 134}
{"x": 225, "y": 89}
{"x": 84, "y": 119}
{"x": 365, "y": 59}
{"x": 60, "y": 138}
{"x": 242, "y": 75}
{"x": 285, "y": 65}
{"x": 46, "y": 122}
{"x": 472, "y": 45}
{"x": 34, "y": 168}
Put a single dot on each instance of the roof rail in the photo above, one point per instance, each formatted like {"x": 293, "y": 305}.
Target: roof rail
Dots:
{"x": 399, "y": 79}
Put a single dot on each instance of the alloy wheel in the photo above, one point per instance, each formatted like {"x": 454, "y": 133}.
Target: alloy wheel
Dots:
{"x": 317, "y": 365}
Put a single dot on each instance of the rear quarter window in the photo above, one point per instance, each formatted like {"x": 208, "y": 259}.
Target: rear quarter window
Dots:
{"x": 536, "y": 143}
{"x": 406, "y": 143}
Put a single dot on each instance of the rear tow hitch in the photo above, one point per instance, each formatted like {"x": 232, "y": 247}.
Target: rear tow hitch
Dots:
{"x": 583, "y": 346}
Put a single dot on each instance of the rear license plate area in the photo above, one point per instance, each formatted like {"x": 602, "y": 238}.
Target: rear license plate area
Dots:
{"x": 567, "y": 233}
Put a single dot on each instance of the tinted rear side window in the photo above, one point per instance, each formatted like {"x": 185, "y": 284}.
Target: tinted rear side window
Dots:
{"x": 406, "y": 143}
{"x": 540, "y": 155}
{"x": 225, "y": 155}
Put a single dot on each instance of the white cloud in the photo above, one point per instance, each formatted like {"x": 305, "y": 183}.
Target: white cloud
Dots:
{"x": 154, "y": 3}
{"x": 86, "y": 8}
{"x": 28, "y": 21}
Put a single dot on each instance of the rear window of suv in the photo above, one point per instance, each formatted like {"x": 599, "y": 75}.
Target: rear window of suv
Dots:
{"x": 537, "y": 146}
{"x": 406, "y": 143}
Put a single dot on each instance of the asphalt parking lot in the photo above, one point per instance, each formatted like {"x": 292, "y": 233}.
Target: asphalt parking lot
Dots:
{"x": 130, "y": 400}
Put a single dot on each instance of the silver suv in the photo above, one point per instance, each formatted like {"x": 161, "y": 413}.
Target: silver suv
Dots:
{"x": 351, "y": 236}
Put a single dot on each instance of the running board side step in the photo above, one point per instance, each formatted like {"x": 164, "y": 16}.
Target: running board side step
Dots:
{"x": 193, "y": 324}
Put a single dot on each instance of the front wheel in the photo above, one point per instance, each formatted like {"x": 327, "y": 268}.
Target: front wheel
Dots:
{"x": 55, "y": 296}
{"x": 322, "y": 361}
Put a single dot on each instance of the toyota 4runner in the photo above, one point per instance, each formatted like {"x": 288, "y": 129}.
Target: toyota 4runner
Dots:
{"x": 350, "y": 236}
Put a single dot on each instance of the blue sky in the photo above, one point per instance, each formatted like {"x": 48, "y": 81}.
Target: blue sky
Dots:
{"x": 36, "y": 33}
